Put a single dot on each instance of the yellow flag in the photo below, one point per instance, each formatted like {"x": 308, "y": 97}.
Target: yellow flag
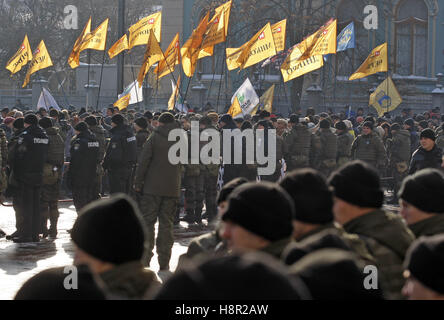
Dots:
{"x": 376, "y": 62}
{"x": 267, "y": 99}
{"x": 174, "y": 95}
{"x": 170, "y": 60}
{"x": 217, "y": 30}
{"x": 118, "y": 47}
{"x": 139, "y": 32}
{"x": 235, "y": 109}
{"x": 259, "y": 48}
{"x": 293, "y": 67}
{"x": 20, "y": 58}
{"x": 153, "y": 54}
{"x": 386, "y": 97}
{"x": 40, "y": 60}
{"x": 191, "y": 48}
{"x": 321, "y": 42}
{"x": 96, "y": 40}
{"x": 74, "y": 57}
{"x": 279, "y": 32}
{"x": 232, "y": 56}
{"x": 123, "y": 102}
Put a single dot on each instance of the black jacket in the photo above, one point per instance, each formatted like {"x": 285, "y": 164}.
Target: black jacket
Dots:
{"x": 423, "y": 159}
{"x": 84, "y": 159}
{"x": 30, "y": 155}
{"x": 122, "y": 149}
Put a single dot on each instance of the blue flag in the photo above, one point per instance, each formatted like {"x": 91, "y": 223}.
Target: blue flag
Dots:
{"x": 346, "y": 39}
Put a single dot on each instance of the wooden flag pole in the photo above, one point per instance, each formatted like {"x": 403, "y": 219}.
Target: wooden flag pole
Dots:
{"x": 101, "y": 77}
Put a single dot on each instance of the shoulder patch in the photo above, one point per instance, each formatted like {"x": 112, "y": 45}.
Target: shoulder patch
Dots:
{"x": 93, "y": 144}
{"x": 131, "y": 139}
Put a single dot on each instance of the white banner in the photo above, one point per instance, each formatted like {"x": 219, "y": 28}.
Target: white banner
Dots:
{"x": 47, "y": 101}
{"x": 247, "y": 96}
{"x": 136, "y": 93}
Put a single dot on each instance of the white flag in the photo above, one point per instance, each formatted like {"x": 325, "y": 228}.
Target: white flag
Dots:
{"x": 47, "y": 101}
{"x": 247, "y": 97}
{"x": 135, "y": 91}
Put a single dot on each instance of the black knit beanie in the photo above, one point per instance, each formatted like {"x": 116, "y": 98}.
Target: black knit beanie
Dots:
{"x": 324, "y": 124}
{"x": 142, "y": 123}
{"x": 45, "y": 122}
{"x": 49, "y": 285}
{"x": 264, "y": 209}
{"x": 395, "y": 127}
{"x": 409, "y": 122}
{"x": 357, "y": 183}
{"x": 81, "y": 127}
{"x": 340, "y": 126}
{"x": 228, "y": 189}
{"x": 31, "y": 119}
{"x": 91, "y": 121}
{"x": 424, "y": 190}
{"x": 19, "y": 123}
{"x": 368, "y": 124}
{"x": 166, "y": 117}
{"x": 110, "y": 230}
{"x": 334, "y": 274}
{"x": 425, "y": 261}
{"x": 148, "y": 115}
{"x": 118, "y": 119}
{"x": 428, "y": 133}
{"x": 312, "y": 200}
{"x": 252, "y": 276}
{"x": 226, "y": 118}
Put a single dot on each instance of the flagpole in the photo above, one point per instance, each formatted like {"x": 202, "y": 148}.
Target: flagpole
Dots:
{"x": 101, "y": 76}
{"x": 212, "y": 80}
{"x": 220, "y": 82}
{"x": 41, "y": 86}
{"x": 61, "y": 86}
{"x": 134, "y": 77}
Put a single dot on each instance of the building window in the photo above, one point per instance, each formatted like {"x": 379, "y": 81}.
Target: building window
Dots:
{"x": 411, "y": 38}
{"x": 348, "y": 61}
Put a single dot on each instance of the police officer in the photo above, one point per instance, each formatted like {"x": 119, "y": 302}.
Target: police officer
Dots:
{"x": 121, "y": 155}
{"x": 100, "y": 134}
{"x": 51, "y": 178}
{"x": 83, "y": 165}
{"x": 142, "y": 133}
{"x": 29, "y": 159}
{"x": 428, "y": 154}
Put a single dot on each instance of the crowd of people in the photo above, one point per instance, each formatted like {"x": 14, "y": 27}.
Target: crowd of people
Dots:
{"x": 308, "y": 231}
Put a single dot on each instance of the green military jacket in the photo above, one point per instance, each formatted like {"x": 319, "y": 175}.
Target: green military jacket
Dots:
{"x": 428, "y": 227}
{"x": 130, "y": 280}
{"x": 155, "y": 174}
{"x": 352, "y": 240}
{"x": 388, "y": 239}
{"x": 399, "y": 147}
{"x": 370, "y": 149}
{"x": 276, "y": 249}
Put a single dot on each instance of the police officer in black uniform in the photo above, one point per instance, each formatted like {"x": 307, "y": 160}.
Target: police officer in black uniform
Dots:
{"x": 121, "y": 156}
{"x": 83, "y": 166}
{"x": 29, "y": 159}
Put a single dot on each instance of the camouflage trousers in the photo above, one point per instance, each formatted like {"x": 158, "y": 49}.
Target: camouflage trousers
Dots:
{"x": 194, "y": 196}
{"x": 49, "y": 209}
{"x": 162, "y": 209}
{"x": 397, "y": 180}
{"x": 326, "y": 167}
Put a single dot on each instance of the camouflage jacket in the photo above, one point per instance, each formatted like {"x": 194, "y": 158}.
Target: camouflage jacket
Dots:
{"x": 387, "y": 238}
{"x": 130, "y": 280}
{"x": 428, "y": 227}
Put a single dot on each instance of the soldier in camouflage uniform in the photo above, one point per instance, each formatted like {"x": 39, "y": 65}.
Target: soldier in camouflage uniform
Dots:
{"x": 158, "y": 182}
{"x": 345, "y": 140}
{"x": 4, "y": 155}
{"x": 358, "y": 200}
{"x": 369, "y": 148}
{"x": 399, "y": 155}
{"x": 299, "y": 141}
{"x": 142, "y": 133}
{"x": 326, "y": 148}
{"x": 100, "y": 134}
{"x": 51, "y": 179}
